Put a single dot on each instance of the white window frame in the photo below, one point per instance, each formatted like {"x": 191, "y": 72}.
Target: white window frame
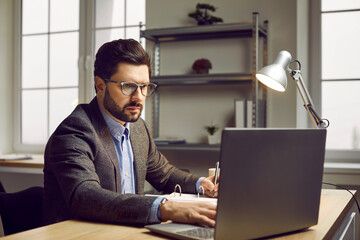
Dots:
{"x": 352, "y": 156}
{"x": 84, "y": 77}
{"x": 85, "y": 66}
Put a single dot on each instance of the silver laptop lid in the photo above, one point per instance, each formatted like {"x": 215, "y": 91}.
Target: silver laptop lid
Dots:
{"x": 270, "y": 181}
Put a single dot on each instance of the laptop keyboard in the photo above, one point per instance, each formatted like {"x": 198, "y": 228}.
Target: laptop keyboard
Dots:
{"x": 200, "y": 232}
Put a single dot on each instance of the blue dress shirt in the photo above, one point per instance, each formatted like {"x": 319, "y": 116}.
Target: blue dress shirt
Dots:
{"x": 121, "y": 138}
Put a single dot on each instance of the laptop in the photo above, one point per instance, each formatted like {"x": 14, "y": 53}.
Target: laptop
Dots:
{"x": 270, "y": 184}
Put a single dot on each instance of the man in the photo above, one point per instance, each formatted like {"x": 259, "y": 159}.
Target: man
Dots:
{"x": 97, "y": 160}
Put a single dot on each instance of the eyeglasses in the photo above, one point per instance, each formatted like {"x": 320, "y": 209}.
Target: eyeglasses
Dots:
{"x": 129, "y": 88}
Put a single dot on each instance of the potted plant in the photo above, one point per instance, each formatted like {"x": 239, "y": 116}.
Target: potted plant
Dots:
{"x": 211, "y": 129}
{"x": 203, "y": 16}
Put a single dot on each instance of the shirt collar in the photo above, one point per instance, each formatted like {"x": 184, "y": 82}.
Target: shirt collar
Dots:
{"x": 116, "y": 129}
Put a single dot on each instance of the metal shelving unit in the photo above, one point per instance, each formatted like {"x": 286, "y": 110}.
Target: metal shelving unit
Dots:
{"x": 234, "y": 30}
{"x": 220, "y": 31}
{"x": 202, "y": 79}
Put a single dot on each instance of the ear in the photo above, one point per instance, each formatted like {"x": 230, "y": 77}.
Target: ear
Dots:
{"x": 99, "y": 85}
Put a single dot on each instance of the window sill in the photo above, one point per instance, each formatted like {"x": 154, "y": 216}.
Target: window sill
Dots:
{"x": 342, "y": 168}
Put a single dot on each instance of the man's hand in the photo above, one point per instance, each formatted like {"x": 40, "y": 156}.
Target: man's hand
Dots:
{"x": 208, "y": 185}
{"x": 201, "y": 213}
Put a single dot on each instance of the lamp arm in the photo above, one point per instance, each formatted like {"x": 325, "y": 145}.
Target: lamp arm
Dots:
{"x": 305, "y": 96}
{"x": 296, "y": 75}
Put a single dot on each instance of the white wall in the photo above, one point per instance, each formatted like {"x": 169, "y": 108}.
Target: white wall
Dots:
{"x": 6, "y": 76}
{"x": 302, "y": 54}
{"x": 185, "y": 110}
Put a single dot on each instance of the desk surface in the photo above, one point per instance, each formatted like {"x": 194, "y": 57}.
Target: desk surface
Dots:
{"x": 334, "y": 206}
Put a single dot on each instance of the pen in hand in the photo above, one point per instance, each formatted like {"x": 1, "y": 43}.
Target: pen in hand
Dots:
{"x": 216, "y": 176}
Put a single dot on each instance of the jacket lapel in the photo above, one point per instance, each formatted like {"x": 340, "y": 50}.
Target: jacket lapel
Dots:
{"x": 107, "y": 142}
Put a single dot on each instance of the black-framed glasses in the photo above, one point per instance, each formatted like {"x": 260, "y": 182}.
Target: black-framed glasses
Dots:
{"x": 129, "y": 88}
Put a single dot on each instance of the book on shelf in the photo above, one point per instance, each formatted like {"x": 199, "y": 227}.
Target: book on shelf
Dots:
{"x": 240, "y": 113}
{"x": 244, "y": 113}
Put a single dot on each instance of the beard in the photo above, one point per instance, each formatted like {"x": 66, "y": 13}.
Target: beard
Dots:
{"x": 118, "y": 112}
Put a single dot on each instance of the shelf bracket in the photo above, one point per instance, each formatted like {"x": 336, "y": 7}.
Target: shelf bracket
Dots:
{"x": 156, "y": 102}
{"x": 255, "y": 97}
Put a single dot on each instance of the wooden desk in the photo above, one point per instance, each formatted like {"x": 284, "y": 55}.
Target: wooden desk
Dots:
{"x": 334, "y": 208}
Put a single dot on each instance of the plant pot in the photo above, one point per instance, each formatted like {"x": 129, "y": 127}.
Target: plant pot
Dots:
{"x": 202, "y": 71}
{"x": 212, "y": 139}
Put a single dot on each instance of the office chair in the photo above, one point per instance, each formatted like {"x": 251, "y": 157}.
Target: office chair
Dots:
{"x": 22, "y": 210}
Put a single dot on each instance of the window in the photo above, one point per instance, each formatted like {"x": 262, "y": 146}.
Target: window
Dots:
{"x": 116, "y": 19}
{"x": 55, "y": 58}
{"x": 340, "y": 72}
{"x": 49, "y": 74}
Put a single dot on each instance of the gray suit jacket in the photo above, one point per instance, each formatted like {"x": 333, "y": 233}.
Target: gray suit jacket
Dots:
{"x": 82, "y": 177}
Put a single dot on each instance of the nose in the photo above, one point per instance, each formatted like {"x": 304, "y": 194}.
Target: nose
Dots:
{"x": 137, "y": 95}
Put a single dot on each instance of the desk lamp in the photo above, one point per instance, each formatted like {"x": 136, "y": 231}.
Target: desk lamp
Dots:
{"x": 274, "y": 76}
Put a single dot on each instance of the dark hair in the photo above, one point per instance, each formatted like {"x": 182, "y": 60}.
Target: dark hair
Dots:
{"x": 119, "y": 51}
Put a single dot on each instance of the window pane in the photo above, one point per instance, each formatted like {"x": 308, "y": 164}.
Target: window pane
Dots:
{"x": 64, "y": 54}
{"x": 340, "y": 50}
{"x": 34, "y": 117}
{"x": 133, "y": 32}
{"x": 341, "y": 107}
{"x": 34, "y": 61}
{"x": 64, "y": 15}
{"x": 333, "y": 5}
{"x": 109, "y": 13}
{"x": 34, "y": 16}
{"x": 62, "y": 103}
{"x": 135, "y": 12}
{"x": 103, "y": 36}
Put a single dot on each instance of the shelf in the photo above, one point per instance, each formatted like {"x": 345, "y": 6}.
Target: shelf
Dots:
{"x": 216, "y": 31}
{"x": 203, "y": 79}
{"x": 251, "y": 30}
{"x": 190, "y": 147}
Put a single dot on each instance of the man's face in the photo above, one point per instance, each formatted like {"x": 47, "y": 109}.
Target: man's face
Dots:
{"x": 125, "y": 108}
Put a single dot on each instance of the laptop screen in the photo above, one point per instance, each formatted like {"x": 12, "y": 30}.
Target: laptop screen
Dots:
{"x": 270, "y": 181}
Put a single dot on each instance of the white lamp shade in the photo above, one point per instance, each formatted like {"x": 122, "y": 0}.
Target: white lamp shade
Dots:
{"x": 274, "y": 75}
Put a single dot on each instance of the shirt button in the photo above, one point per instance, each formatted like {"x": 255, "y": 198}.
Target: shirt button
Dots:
{"x": 126, "y": 173}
